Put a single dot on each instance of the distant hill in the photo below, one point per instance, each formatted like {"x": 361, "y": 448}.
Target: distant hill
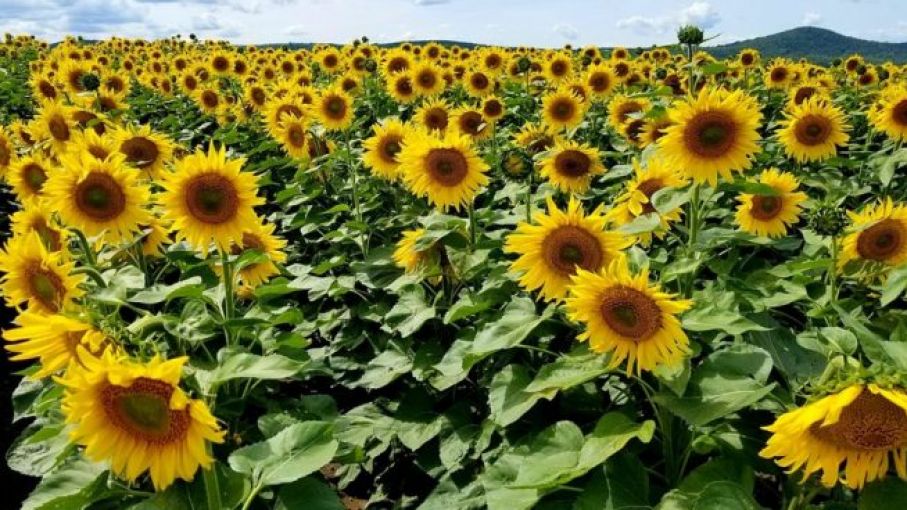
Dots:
{"x": 816, "y": 44}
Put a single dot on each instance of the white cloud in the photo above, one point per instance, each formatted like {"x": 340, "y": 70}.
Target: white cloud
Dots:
{"x": 296, "y": 31}
{"x": 430, "y": 2}
{"x": 645, "y": 25}
{"x": 701, "y": 14}
{"x": 566, "y": 30}
{"x": 811, "y": 19}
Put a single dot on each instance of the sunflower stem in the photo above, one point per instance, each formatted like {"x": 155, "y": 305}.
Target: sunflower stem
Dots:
{"x": 86, "y": 248}
{"x": 694, "y": 220}
{"x": 833, "y": 271}
{"x": 212, "y": 486}
{"x": 229, "y": 297}
{"x": 471, "y": 210}
{"x": 349, "y": 155}
{"x": 248, "y": 503}
{"x": 529, "y": 196}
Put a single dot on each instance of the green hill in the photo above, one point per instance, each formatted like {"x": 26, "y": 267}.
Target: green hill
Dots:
{"x": 816, "y": 44}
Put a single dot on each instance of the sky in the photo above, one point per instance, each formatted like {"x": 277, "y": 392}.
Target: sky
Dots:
{"x": 544, "y": 23}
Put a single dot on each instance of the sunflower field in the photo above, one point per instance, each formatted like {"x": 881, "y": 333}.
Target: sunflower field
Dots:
{"x": 442, "y": 277}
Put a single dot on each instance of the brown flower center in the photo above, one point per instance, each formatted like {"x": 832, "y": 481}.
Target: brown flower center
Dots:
{"x": 397, "y": 64}
{"x": 296, "y": 135}
{"x": 471, "y": 123}
{"x": 778, "y": 74}
{"x": 766, "y": 207}
{"x": 427, "y": 78}
{"x": 435, "y": 118}
{"x": 140, "y": 151}
{"x": 142, "y": 410}
{"x": 289, "y": 109}
{"x": 493, "y": 108}
{"x": 34, "y": 176}
{"x": 559, "y": 68}
{"x": 100, "y": 197}
{"x": 447, "y": 167}
{"x": 562, "y": 109}
{"x": 621, "y": 69}
{"x": 6, "y": 153}
{"x": 220, "y": 64}
{"x": 648, "y": 188}
{"x": 624, "y": 110}
{"x": 572, "y": 163}
{"x": 334, "y": 107}
{"x": 390, "y": 146}
{"x": 211, "y": 198}
{"x": 899, "y": 113}
{"x": 747, "y": 59}
{"x": 258, "y": 96}
{"x": 710, "y": 134}
{"x": 479, "y": 81}
{"x": 45, "y": 286}
{"x": 812, "y": 130}
{"x": 804, "y": 93}
{"x": 404, "y": 86}
{"x": 870, "y": 423}
{"x": 881, "y": 241}
{"x": 210, "y": 99}
{"x": 58, "y": 128}
{"x": 630, "y": 313}
{"x": 599, "y": 81}
{"x": 47, "y": 89}
{"x": 568, "y": 247}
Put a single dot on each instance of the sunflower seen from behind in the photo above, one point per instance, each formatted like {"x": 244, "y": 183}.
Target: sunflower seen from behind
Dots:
{"x": 135, "y": 416}
{"x": 570, "y": 166}
{"x": 558, "y": 243}
{"x": 260, "y": 238}
{"x": 861, "y": 429}
{"x": 99, "y": 196}
{"x": 878, "y": 234}
{"x": 712, "y": 135}
{"x": 770, "y": 215}
{"x": 812, "y": 130}
{"x": 628, "y": 317}
{"x": 446, "y": 170}
{"x": 33, "y": 276}
{"x": 209, "y": 199}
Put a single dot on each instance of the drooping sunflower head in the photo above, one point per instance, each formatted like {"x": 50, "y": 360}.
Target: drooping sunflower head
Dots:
{"x": 714, "y": 134}
{"x": 51, "y": 339}
{"x": 863, "y": 427}
{"x": 769, "y": 215}
{"x": 135, "y": 416}
{"x": 383, "y": 148}
{"x": 563, "y": 109}
{"x": 536, "y": 138}
{"x": 99, "y": 196}
{"x": 407, "y": 254}
{"x": 570, "y": 166}
{"x": 558, "y": 243}
{"x": 208, "y": 198}
{"x": 38, "y": 218}
{"x": 626, "y": 316}
{"x": 37, "y": 277}
{"x": 448, "y": 171}
{"x": 433, "y": 115}
{"x": 812, "y": 130}
{"x": 878, "y": 235}
{"x": 144, "y": 149}
{"x": 637, "y": 199}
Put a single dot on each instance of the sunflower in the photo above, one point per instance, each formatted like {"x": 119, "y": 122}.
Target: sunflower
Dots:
{"x": 636, "y": 200}
{"x": 36, "y": 276}
{"x": 27, "y": 177}
{"x": 779, "y": 74}
{"x": 556, "y": 244}
{"x": 50, "y": 339}
{"x": 748, "y": 58}
{"x": 479, "y": 84}
{"x": 291, "y": 133}
{"x": 714, "y": 134}
{"x": 400, "y": 87}
{"x": 600, "y": 79}
{"x": 890, "y": 112}
{"x": 91, "y": 143}
{"x": 878, "y": 234}
{"x": 209, "y": 198}
{"x": 381, "y": 150}
{"x": 798, "y": 94}
{"x": 55, "y": 124}
{"x": 156, "y": 236}
{"x": 862, "y": 426}
{"x": 396, "y": 61}
{"x": 144, "y": 149}
{"x": 536, "y": 138}
{"x": 261, "y": 238}
{"x": 447, "y": 170}
{"x": 628, "y": 317}
{"x": 558, "y": 69}
{"x": 433, "y": 115}
{"x": 622, "y": 108}
{"x": 492, "y": 109}
{"x": 279, "y": 109}
{"x": 334, "y": 109}
{"x": 407, "y": 255}
{"x": 135, "y": 416}
{"x": 426, "y": 79}
{"x": 653, "y": 130}
{"x": 7, "y": 152}
{"x": 37, "y": 218}
{"x": 99, "y": 196}
{"x": 470, "y": 122}
{"x": 209, "y": 100}
{"x": 570, "y": 166}
{"x": 562, "y": 109}
{"x": 812, "y": 130}
{"x": 770, "y": 215}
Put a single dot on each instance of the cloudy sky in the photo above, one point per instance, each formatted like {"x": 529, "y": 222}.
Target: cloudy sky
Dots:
{"x": 550, "y": 23}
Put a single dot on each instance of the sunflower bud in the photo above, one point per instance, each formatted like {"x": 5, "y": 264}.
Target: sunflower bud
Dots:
{"x": 661, "y": 73}
{"x": 515, "y": 163}
{"x": 828, "y": 220}
{"x": 861, "y": 70}
{"x": 370, "y": 65}
{"x": 523, "y": 64}
{"x": 90, "y": 81}
{"x": 690, "y": 34}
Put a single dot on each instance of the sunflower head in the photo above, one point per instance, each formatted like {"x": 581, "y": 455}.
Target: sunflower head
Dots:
{"x": 448, "y": 171}
{"x": 812, "y": 130}
{"x": 770, "y": 215}
{"x": 37, "y": 277}
{"x": 334, "y": 109}
{"x": 382, "y": 149}
{"x": 144, "y": 149}
{"x": 570, "y": 166}
{"x": 563, "y": 109}
{"x": 637, "y": 199}
{"x": 878, "y": 235}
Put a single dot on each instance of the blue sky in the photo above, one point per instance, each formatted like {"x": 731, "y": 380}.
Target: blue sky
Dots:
{"x": 549, "y": 23}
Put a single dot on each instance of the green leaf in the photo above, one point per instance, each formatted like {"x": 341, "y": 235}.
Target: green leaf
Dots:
{"x": 717, "y": 315}
{"x": 384, "y": 368}
{"x": 295, "y": 452}
{"x": 309, "y": 493}
{"x": 516, "y": 323}
{"x": 410, "y": 312}
{"x": 895, "y": 285}
{"x": 569, "y": 371}
{"x": 234, "y": 364}
{"x": 75, "y": 485}
{"x": 887, "y": 494}
{"x": 642, "y": 224}
{"x": 190, "y": 287}
{"x": 714, "y": 68}
{"x": 727, "y": 381}
{"x": 508, "y": 399}
{"x": 622, "y": 483}
{"x": 718, "y": 484}
{"x": 667, "y": 200}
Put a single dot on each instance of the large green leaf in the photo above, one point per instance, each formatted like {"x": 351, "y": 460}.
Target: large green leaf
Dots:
{"x": 75, "y": 485}
{"x": 234, "y": 364}
{"x": 309, "y": 493}
{"x": 297, "y": 451}
{"x": 516, "y": 323}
